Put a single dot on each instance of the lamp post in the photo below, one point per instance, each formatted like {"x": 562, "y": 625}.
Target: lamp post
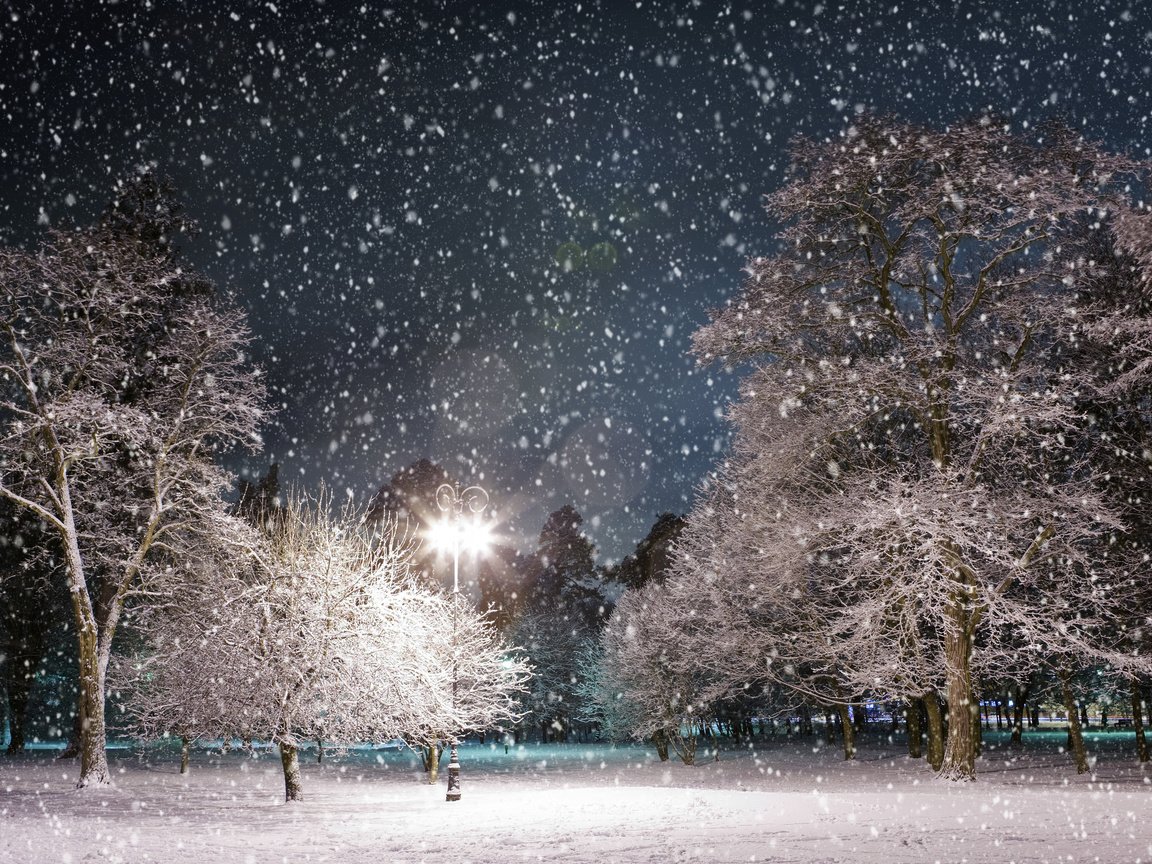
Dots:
{"x": 451, "y": 499}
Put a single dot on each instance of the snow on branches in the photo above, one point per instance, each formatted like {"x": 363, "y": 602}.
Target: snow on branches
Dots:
{"x": 313, "y": 630}
{"x": 638, "y": 682}
{"x": 912, "y": 490}
{"x": 120, "y": 375}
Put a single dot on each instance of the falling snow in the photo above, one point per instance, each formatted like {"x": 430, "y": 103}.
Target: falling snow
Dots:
{"x": 496, "y": 222}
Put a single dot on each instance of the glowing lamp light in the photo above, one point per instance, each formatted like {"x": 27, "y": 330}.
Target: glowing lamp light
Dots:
{"x": 460, "y": 535}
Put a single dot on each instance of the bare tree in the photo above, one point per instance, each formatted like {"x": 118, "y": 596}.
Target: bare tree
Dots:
{"x": 120, "y": 376}
{"x": 906, "y": 440}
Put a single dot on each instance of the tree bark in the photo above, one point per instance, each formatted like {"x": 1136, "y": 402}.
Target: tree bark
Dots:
{"x": 290, "y": 760}
{"x": 92, "y": 655}
{"x": 960, "y": 749}
{"x": 1019, "y": 708}
{"x": 935, "y": 730}
{"x": 685, "y": 745}
{"x": 912, "y": 713}
{"x": 431, "y": 754}
{"x": 1075, "y": 734}
{"x": 660, "y": 739}
{"x": 185, "y": 748}
{"x": 93, "y": 736}
{"x": 848, "y": 731}
{"x": 1138, "y": 724}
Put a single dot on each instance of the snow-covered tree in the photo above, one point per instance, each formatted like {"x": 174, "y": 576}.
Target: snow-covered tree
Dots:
{"x": 905, "y": 480}
{"x": 313, "y": 631}
{"x": 640, "y": 682}
{"x": 1116, "y": 355}
{"x": 488, "y": 677}
{"x": 121, "y": 373}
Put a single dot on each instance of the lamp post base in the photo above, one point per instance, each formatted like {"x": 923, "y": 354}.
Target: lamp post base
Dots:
{"x": 453, "y": 775}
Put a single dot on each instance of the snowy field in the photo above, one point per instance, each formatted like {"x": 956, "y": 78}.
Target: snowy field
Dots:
{"x": 787, "y": 800}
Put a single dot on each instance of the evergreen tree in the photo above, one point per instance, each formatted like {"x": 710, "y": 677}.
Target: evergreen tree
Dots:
{"x": 564, "y": 609}
{"x": 652, "y": 559}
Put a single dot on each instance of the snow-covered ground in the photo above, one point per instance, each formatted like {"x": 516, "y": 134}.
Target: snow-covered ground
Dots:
{"x": 786, "y": 800}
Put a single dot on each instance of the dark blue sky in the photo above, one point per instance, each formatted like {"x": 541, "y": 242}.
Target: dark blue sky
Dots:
{"x": 484, "y": 232}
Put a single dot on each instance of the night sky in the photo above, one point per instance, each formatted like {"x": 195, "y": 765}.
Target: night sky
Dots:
{"x": 484, "y": 232}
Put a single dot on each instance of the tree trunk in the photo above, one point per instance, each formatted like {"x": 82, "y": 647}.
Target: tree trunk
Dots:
{"x": 290, "y": 760}
{"x": 848, "y": 732}
{"x": 935, "y": 730}
{"x": 660, "y": 739}
{"x": 93, "y": 755}
{"x": 1075, "y": 735}
{"x": 912, "y": 713}
{"x": 829, "y": 728}
{"x": 805, "y": 720}
{"x": 92, "y": 655}
{"x": 685, "y": 746}
{"x": 1019, "y": 707}
{"x": 185, "y": 752}
{"x": 960, "y": 749}
{"x": 1138, "y": 724}
{"x": 319, "y": 751}
{"x": 432, "y": 762}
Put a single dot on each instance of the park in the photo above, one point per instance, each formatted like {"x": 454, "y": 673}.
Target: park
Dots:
{"x": 783, "y": 799}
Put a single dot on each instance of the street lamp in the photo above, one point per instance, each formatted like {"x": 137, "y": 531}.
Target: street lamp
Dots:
{"x": 455, "y": 532}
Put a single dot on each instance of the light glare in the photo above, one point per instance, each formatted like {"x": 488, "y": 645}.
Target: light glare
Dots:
{"x": 449, "y": 535}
